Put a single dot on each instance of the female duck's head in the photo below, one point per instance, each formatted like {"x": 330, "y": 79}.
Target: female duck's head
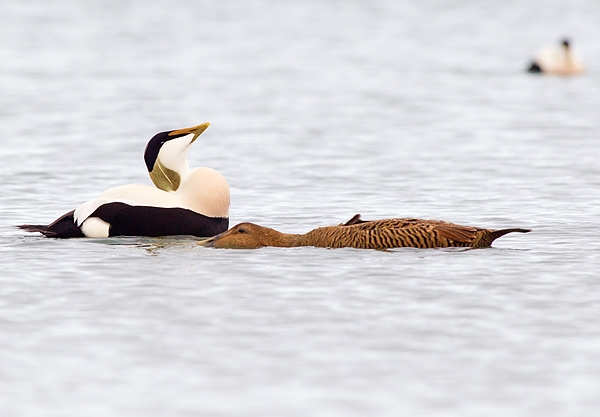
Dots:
{"x": 166, "y": 156}
{"x": 248, "y": 236}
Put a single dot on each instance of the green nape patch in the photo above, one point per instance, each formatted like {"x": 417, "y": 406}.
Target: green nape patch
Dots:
{"x": 164, "y": 178}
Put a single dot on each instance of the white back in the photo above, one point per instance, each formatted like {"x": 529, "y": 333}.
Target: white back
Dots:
{"x": 132, "y": 194}
{"x": 204, "y": 191}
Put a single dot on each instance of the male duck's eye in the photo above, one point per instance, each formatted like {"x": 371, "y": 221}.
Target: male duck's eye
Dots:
{"x": 241, "y": 230}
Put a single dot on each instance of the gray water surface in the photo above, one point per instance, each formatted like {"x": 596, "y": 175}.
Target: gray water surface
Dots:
{"x": 319, "y": 110}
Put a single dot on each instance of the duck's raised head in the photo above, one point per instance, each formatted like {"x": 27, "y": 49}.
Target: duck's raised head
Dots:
{"x": 249, "y": 236}
{"x": 166, "y": 156}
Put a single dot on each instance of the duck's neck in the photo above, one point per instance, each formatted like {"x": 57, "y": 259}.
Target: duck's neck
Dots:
{"x": 285, "y": 240}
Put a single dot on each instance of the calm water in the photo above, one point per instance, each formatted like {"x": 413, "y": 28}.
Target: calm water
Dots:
{"x": 319, "y": 110}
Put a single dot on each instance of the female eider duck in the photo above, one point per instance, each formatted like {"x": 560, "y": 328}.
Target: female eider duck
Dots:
{"x": 190, "y": 202}
{"x": 358, "y": 233}
{"x": 557, "y": 60}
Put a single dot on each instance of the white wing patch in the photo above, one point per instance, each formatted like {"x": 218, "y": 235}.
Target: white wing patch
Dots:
{"x": 95, "y": 227}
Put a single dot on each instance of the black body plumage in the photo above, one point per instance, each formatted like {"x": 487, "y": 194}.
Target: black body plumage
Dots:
{"x": 128, "y": 220}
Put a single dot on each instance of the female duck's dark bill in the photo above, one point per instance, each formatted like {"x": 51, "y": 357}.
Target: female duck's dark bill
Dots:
{"x": 210, "y": 242}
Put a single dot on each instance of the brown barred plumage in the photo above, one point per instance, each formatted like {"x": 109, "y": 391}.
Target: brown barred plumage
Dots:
{"x": 358, "y": 233}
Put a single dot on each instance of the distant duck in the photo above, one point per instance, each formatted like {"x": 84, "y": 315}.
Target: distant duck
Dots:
{"x": 358, "y": 233}
{"x": 557, "y": 60}
{"x": 190, "y": 202}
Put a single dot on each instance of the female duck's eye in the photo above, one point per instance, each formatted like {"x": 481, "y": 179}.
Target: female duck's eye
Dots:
{"x": 241, "y": 230}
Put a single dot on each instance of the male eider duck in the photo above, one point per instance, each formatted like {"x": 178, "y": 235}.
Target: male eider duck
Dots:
{"x": 557, "y": 60}
{"x": 190, "y": 202}
{"x": 358, "y": 233}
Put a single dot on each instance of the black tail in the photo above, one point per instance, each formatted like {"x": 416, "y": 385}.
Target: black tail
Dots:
{"x": 499, "y": 233}
{"x": 34, "y": 227}
{"x": 63, "y": 227}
